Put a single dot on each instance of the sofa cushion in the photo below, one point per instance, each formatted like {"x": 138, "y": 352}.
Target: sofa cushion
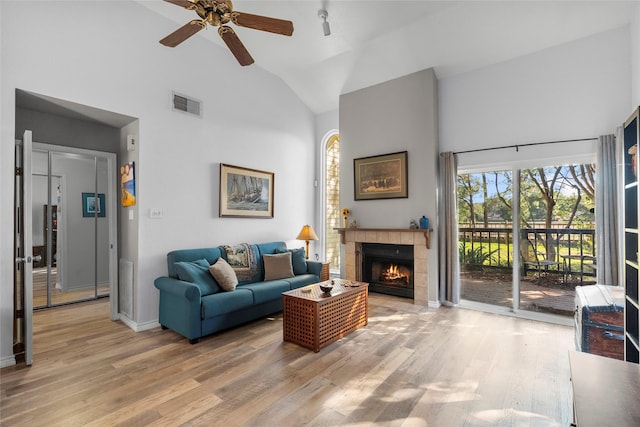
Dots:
{"x": 197, "y": 272}
{"x": 298, "y": 259}
{"x": 226, "y": 302}
{"x": 302, "y": 280}
{"x": 224, "y": 275}
{"x": 210, "y": 254}
{"x": 271, "y": 247}
{"x": 267, "y": 291}
{"x": 277, "y": 266}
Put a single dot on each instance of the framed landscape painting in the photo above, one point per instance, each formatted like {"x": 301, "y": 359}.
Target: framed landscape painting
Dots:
{"x": 245, "y": 192}
{"x": 381, "y": 177}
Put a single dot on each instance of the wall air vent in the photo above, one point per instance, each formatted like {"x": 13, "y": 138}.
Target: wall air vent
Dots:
{"x": 185, "y": 104}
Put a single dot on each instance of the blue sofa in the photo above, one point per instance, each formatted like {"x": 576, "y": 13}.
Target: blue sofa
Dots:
{"x": 198, "y": 306}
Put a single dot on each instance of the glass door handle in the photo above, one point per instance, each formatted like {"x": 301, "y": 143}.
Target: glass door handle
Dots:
{"x": 29, "y": 259}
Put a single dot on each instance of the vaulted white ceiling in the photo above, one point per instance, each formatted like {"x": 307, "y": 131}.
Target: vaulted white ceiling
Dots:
{"x": 373, "y": 41}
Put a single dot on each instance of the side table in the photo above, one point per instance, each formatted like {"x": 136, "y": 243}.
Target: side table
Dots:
{"x": 324, "y": 273}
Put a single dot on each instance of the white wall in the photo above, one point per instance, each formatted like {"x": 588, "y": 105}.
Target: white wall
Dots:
{"x": 577, "y": 90}
{"x": 398, "y": 115}
{"x": 326, "y": 122}
{"x": 635, "y": 57}
{"x": 250, "y": 119}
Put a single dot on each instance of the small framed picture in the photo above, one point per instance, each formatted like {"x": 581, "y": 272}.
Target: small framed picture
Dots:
{"x": 128, "y": 184}
{"x": 93, "y": 205}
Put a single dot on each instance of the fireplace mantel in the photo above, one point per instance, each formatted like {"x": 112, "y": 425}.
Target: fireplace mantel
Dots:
{"x": 427, "y": 233}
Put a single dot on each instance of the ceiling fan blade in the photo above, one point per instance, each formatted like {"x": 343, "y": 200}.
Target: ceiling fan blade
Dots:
{"x": 182, "y": 33}
{"x": 235, "y": 45}
{"x": 263, "y": 23}
{"x": 187, "y": 4}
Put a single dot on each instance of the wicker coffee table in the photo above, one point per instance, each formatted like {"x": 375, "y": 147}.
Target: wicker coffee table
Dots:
{"x": 315, "y": 320}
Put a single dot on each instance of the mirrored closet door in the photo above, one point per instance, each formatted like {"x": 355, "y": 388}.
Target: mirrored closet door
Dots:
{"x": 71, "y": 220}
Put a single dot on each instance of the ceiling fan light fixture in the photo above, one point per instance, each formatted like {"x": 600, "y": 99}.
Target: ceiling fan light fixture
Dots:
{"x": 218, "y": 13}
{"x": 322, "y": 14}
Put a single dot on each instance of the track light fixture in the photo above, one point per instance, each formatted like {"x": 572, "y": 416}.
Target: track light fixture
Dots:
{"x": 322, "y": 14}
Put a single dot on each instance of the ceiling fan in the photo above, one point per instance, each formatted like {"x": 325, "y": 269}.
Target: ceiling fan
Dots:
{"x": 219, "y": 13}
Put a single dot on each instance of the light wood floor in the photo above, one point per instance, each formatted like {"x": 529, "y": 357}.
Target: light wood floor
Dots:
{"x": 57, "y": 296}
{"x": 408, "y": 367}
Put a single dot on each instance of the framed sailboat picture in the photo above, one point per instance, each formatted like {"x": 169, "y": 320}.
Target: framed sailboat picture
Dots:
{"x": 245, "y": 192}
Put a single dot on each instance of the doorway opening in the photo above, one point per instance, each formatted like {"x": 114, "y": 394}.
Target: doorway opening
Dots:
{"x": 65, "y": 234}
{"x": 89, "y": 136}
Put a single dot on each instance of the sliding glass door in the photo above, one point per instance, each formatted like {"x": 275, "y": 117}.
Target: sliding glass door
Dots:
{"x": 557, "y": 236}
{"x": 533, "y": 263}
{"x": 486, "y": 237}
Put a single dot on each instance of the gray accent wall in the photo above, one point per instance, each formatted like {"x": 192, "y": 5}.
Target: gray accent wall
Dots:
{"x": 398, "y": 115}
{"x": 59, "y": 130}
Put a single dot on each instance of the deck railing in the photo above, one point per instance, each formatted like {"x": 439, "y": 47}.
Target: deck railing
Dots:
{"x": 571, "y": 248}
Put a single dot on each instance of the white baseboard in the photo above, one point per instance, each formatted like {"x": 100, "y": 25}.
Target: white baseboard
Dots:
{"x": 7, "y": 361}
{"x": 138, "y": 327}
{"x": 433, "y": 304}
{"x": 147, "y": 325}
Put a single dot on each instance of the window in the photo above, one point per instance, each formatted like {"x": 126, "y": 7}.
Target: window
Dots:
{"x": 332, "y": 201}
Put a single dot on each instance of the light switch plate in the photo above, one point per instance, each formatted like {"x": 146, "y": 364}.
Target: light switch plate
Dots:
{"x": 156, "y": 213}
{"x": 131, "y": 142}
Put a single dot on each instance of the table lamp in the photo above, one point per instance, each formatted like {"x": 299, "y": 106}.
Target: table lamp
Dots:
{"x": 307, "y": 234}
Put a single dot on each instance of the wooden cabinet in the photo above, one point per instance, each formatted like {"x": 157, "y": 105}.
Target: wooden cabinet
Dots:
{"x": 605, "y": 391}
{"x": 314, "y": 320}
{"x": 54, "y": 234}
{"x": 631, "y": 305}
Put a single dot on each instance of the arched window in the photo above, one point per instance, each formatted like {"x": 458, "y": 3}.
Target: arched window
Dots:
{"x": 332, "y": 201}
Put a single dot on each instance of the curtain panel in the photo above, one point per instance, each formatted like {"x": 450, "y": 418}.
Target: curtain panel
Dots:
{"x": 448, "y": 244}
{"x": 607, "y": 242}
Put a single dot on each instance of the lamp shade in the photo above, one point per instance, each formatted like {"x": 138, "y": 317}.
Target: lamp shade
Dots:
{"x": 307, "y": 234}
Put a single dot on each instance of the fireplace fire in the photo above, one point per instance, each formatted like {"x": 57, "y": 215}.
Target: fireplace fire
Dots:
{"x": 393, "y": 274}
{"x": 388, "y": 268}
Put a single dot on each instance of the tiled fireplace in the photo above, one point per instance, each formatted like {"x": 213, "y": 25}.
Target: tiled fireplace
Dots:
{"x": 419, "y": 240}
{"x": 388, "y": 268}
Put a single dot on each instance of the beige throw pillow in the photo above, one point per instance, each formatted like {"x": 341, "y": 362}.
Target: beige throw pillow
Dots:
{"x": 224, "y": 275}
{"x": 277, "y": 266}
